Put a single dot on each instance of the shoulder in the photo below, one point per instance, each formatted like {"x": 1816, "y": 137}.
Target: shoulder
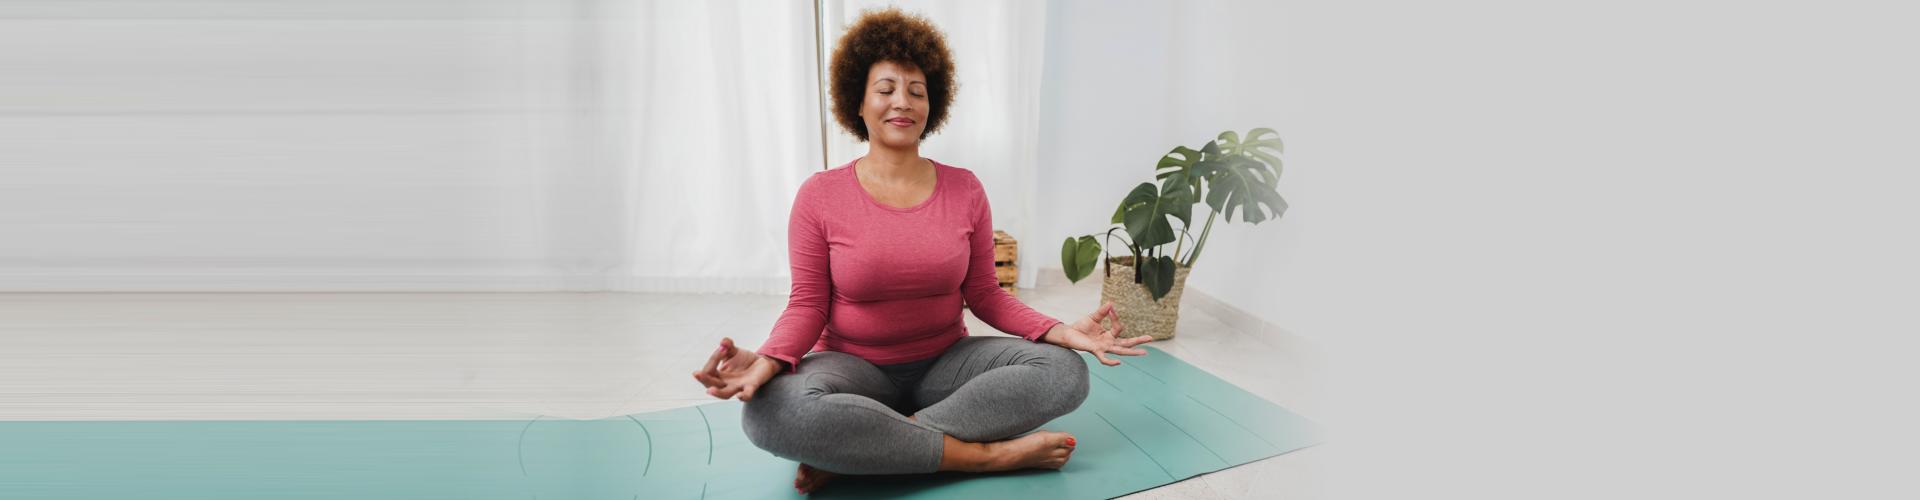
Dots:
{"x": 824, "y": 183}
{"x": 961, "y": 178}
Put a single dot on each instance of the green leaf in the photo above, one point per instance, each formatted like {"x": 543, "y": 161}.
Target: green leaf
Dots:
{"x": 1158, "y": 273}
{"x": 1211, "y": 151}
{"x": 1177, "y": 196}
{"x": 1180, "y": 162}
{"x": 1079, "y": 256}
{"x": 1089, "y": 254}
{"x": 1256, "y": 145}
{"x": 1070, "y": 262}
{"x": 1244, "y": 184}
{"x": 1145, "y": 210}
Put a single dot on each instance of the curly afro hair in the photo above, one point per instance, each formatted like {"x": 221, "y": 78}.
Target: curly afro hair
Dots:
{"x": 892, "y": 36}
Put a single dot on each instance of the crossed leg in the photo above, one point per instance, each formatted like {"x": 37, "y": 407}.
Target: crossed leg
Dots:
{"x": 839, "y": 413}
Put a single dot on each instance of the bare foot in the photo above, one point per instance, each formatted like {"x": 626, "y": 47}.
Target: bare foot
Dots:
{"x": 1039, "y": 450}
{"x": 810, "y": 478}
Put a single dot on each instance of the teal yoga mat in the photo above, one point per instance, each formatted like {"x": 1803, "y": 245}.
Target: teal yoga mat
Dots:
{"x": 1149, "y": 422}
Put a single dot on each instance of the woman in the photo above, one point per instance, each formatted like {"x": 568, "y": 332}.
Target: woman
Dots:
{"x": 883, "y": 251}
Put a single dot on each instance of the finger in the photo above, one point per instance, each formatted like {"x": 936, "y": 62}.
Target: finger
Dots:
{"x": 709, "y": 380}
{"x": 1101, "y": 313}
{"x": 1128, "y": 351}
{"x": 713, "y": 362}
{"x": 728, "y": 351}
{"x": 746, "y": 393}
{"x": 1106, "y": 360}
{"x": 726, "y": 392}
{"x": 1136, "y": 341}
{"x": 1117, "y": 326}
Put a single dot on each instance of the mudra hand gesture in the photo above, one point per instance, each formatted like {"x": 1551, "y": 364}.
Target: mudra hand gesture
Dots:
{"x": 1091, "y": 336}
{"x": 734, "y": 371}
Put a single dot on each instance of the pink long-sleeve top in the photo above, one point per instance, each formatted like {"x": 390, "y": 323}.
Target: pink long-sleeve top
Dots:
{"x": 885, "y": 283}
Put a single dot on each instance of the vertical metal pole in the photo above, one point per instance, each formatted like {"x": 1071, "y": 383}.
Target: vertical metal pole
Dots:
{"x": 819, "y": 68}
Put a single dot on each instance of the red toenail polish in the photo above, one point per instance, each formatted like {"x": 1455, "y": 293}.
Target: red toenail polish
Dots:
{"x": 1069, "y": 441}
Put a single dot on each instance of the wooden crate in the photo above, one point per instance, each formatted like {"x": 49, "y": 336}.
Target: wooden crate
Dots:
{"x": 1005, "y": 251}
{"x": 1008, "y": 274}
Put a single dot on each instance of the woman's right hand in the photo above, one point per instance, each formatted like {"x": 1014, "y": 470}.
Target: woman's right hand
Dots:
{"x": 732, "y": 371}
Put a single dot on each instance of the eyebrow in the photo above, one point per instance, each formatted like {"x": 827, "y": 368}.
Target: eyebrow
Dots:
{"x": 889, "y": 79}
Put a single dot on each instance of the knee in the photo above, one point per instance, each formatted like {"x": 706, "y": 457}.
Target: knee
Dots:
{"x": 767, "y": 420}
{"x": 1068, "y": 371}
{"x": 759, "y": 421}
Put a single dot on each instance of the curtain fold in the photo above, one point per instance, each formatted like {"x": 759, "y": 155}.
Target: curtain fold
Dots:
{"x": 724, "y": 128}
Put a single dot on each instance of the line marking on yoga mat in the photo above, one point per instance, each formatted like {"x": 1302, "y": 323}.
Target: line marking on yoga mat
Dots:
{"x": 703, "y": 420}
{"x": 1256, "y": 435}
{"x": 703, "y": 491}
{"x": 1109, "y": 382}
{"x": 1143, "y": 451}
{"x": 1183, "y": 430}
{"x": 649, "y": 434}
{"x": 520, "y": 447}
{"x": 1149, "y": 374}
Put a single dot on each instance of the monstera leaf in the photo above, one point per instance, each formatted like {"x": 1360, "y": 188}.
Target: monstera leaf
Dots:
{"x": 1180, "y": 162}
{"x": 1079, "y": 256}
{"x": 1144, "y": 212}
{"x": 1240, "y": 182}
{"x": 1157, "y": 274}
{"x": 1257, "y": 145}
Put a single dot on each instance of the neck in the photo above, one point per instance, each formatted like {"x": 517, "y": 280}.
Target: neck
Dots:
{"x": 892, "y": 163}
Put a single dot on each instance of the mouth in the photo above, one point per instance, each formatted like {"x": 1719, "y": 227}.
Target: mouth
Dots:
{"x": 901, "y": 122}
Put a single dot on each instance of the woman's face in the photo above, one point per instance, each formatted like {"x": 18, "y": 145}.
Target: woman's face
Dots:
{"x": 896, "y": 105}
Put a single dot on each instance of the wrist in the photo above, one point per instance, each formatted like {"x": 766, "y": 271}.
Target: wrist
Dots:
{"x": 1055, "y": 334}
{"x": 770, "y": 365}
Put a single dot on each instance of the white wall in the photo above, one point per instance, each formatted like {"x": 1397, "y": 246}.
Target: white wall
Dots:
{"x": 1595, "y": 249}
{"x": 1128, "y": 81}
{"x": 1105, "y": 111}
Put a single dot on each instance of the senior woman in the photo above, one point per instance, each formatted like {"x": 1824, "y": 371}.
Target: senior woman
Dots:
{"x": 883, "y": 250}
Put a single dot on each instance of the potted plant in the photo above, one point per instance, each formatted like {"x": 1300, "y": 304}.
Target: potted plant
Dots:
{"x": 1231, "y": 174}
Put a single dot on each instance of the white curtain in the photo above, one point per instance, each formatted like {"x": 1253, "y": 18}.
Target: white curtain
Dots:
{"x": 725, "y": 126}
{"x": 993, "y": 127}
{"x": 509, "y": 145}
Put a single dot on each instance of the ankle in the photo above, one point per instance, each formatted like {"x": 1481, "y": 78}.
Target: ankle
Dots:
{"x": 997, "y": 456}
{"x": 963, "y": 456}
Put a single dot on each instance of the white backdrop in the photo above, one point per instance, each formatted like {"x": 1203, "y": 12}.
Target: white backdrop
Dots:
{"x": 629, "y": 145}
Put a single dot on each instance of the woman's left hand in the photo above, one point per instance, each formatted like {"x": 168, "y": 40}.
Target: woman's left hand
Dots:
{"x": 1089, "y": 335}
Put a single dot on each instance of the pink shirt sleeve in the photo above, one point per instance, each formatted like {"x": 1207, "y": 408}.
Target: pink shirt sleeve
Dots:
{"x": 982, "y": 287}
{"x": 799, "y": 327}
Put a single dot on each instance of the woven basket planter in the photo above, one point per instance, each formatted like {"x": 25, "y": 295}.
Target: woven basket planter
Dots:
{"x": 1136, "y": 306}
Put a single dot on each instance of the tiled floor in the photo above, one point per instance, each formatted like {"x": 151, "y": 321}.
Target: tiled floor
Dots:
{"x": 495, "y": 356}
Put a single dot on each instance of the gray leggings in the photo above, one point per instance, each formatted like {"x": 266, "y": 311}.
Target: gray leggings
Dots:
{"x": 842, "y": 414}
